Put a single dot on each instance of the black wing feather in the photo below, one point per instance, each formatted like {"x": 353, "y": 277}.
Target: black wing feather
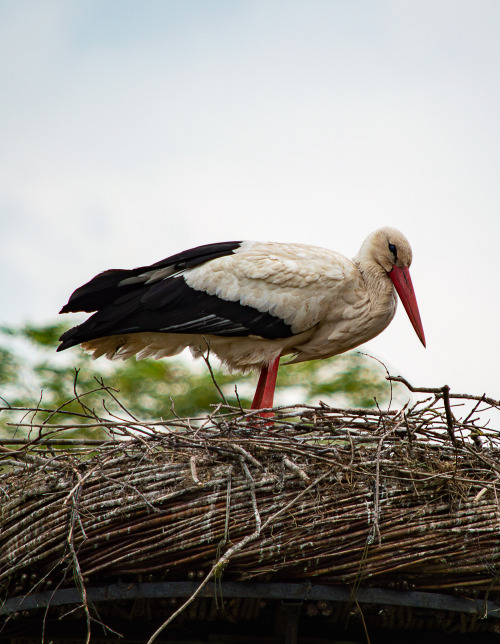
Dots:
{"x": 106, "y": 287}
{"x": 166, "y": 306}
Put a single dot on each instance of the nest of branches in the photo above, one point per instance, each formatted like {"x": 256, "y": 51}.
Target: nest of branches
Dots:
{"x": 397, "y": 498}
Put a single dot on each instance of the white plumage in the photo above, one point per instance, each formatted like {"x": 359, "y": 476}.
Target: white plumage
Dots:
{"x": 249, "y": 303}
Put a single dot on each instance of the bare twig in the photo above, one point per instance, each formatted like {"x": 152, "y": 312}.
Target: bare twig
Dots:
{"x": 247, "y": 455}
{"x": 80, "y": 584}
{"x": 194, "y": 473}
{"x": 376, "y": 500}
{"x": 295, "y": 468}
{"x": 206, "y": 359}
{"x": 439, "y": 392}
{"x": 251, "y": 483}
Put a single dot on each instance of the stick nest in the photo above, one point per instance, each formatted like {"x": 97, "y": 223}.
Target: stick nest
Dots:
{"x": 404, "y": 499}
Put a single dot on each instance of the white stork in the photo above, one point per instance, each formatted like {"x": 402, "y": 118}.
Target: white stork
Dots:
{"x": 249, "y": 303}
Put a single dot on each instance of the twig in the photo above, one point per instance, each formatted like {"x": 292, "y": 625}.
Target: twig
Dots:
{"x": 80, "y": 584}
{"x": 206, "y": 359}
{"x": 194, "y": 474}
{"x": 376, "y": 499}
{"x": 251, "y": 482}
{"x": 439, "y": 392}
{"x": 228, "y": 504}
{"x": 248, "y": 456}
{"x": 295, "y": 468}
{"x": 449, "y": 416}
{"x": 444, "y": 393}
{"x": 110, "y": 391}
{"x": 387, "y": 376}
{"x": 77, "y": 487}
{"x": 30, "y": 458}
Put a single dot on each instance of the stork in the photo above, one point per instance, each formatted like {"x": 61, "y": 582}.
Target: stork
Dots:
{"x": 249, "y": 303}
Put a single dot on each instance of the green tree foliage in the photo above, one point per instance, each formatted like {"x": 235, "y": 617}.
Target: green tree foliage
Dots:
{"x": 33, "y": 374}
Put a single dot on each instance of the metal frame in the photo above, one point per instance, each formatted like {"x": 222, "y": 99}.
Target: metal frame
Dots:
{"x": 283, "y": 591}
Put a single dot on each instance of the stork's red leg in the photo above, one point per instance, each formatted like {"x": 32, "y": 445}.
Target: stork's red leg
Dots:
{"x": 259, "y": 392}
{"x": 264, "y": 394}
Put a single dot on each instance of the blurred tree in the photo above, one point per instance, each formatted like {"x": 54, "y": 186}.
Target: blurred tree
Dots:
{"x": 32, "y": 374}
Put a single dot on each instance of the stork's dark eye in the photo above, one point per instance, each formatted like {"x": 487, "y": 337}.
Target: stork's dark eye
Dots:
{"x": 393, "y": 250}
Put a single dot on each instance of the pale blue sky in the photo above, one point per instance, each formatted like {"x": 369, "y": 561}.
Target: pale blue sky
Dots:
{"x": 133, "y": 130}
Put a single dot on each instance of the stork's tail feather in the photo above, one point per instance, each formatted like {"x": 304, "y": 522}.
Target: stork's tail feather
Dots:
{"x": 96, "y": 293}
{"x": 70, "y": 338}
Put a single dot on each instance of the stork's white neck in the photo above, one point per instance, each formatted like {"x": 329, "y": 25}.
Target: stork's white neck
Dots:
{"x": 379, "y": 287}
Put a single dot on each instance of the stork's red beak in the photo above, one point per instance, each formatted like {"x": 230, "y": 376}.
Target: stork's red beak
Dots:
{"x": 402, "y": 282}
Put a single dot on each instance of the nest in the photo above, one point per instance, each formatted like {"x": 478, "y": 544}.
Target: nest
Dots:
{"x": 399, "y": 499}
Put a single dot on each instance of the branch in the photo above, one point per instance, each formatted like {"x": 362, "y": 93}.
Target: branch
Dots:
{"x": 206, "y": 358}
{"x": 439, "y": 392}
{"x": 444, "y": 393}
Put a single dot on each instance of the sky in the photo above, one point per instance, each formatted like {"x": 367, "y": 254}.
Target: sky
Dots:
{"x": 133, "y": 130}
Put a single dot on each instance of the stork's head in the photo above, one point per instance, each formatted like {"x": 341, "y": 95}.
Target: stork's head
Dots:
{"x": 386, "y": 247}
{"x": 389, "y": 249}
